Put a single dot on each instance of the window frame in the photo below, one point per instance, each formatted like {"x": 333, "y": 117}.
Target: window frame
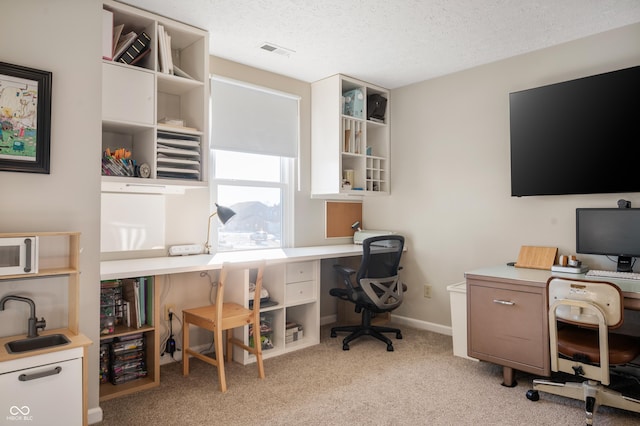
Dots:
{"x": 287, "y": 191}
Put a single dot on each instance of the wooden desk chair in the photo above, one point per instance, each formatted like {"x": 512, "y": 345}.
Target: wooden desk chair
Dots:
{"x": 581, "y": 315}
{"x": 224, "y": 317}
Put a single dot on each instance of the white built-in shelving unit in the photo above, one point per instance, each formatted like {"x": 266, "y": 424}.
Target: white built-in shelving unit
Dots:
{"x": 138, "y": 99}
{"x": 344, "y": 138}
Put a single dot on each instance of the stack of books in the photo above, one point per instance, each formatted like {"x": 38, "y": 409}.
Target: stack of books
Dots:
{"x": 119, "y": 46}
{"x": 166, "y": 63}
{"x": 138, "y": 294}
{"x": 133, "y": 48}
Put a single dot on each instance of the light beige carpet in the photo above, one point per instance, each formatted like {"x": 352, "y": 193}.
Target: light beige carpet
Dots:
{"x": 420, "y": 383}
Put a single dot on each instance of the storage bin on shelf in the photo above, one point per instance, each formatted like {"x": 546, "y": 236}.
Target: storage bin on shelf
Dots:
{"x": 266, "y": 331}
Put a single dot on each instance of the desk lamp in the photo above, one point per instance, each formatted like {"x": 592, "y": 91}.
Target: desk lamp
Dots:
{"x": 224, "y": 214}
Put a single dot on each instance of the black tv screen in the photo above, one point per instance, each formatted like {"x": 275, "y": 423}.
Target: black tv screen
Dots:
{"x": 577, "y": 137}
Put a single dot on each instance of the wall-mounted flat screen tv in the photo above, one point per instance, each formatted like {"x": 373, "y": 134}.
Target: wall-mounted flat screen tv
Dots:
{"x": 577, "y": 137}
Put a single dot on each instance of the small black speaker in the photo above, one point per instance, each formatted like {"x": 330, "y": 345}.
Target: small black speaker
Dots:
{"x": 376, "y": 107}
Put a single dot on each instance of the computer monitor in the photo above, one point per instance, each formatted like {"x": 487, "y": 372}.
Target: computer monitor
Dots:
{"x": 609, "y": 232}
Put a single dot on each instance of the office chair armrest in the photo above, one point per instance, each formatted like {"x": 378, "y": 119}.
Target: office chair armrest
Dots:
{"x": 346, "y": 273}
{"x": 345, "y": 270}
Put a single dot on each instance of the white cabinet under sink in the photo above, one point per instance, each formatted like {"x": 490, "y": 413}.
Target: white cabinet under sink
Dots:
{"x": 43, "y": 389}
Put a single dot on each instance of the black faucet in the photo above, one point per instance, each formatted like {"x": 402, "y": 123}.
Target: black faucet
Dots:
{"x": 34, "y": 323}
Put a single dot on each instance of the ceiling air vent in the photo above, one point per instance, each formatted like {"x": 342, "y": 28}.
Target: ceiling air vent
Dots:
{"x": 273, "y": 48}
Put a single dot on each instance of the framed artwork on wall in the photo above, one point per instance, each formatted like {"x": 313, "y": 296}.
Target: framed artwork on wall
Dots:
{"x": 25, "y": 119}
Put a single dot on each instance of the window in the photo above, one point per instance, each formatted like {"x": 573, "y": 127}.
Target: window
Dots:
{"x": 254, "y": 140}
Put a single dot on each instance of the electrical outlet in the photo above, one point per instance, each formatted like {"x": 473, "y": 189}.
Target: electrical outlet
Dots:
{"x": 427, "y": 291}
{"x": 169, "y": 307}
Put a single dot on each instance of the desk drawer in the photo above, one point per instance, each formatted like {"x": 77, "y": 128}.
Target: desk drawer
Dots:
{"x": 299, "y": 271}
{"x": 507, "y": 326}
{"x": 300, "y": 292}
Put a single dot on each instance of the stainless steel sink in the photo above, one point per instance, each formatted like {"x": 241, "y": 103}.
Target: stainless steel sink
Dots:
{"x": 35, "y": 343}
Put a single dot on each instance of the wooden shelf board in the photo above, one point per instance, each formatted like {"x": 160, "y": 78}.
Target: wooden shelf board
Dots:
{"x": 109, "y": 391}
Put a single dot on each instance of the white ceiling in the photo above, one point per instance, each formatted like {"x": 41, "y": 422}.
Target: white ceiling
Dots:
{"x": 391, "y": 43}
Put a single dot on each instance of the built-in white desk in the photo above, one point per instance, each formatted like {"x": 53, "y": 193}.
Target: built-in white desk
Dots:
{"x": 292, "y": 277}
{"x": 114, "y": 269}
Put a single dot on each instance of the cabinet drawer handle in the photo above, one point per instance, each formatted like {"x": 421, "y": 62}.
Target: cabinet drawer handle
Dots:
{"x": 27, "y": 377}
{"x": 504, "y": 302}
{"x": 27, "y": 266}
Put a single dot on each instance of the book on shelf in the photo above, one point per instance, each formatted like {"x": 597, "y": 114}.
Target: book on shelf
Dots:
{"x": 132, "y": 295}
{"x": 117, "y": 32}
{"x": 135, "y": 49}
{"x": 162, "y": 51}
{"x": 169, "y": 56}
{"x": 149, "y": 297}
{"x": 140, "y": 56}
{"x": 142, "y": 313}
{"x": 165, "y": 60}
{"x": 124, "y": 42}
{"x": 127, "y": 319}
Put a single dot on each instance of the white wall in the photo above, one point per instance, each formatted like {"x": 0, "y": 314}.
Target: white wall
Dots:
{"x": 451, "y": 170}
{"x": 60, "y": 36}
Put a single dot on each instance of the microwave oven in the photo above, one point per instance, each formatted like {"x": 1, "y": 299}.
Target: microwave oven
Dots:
{"x": 18, "y": 255}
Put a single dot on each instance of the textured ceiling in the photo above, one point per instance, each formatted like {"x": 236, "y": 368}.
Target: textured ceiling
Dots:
{"x": 390, "y": 43}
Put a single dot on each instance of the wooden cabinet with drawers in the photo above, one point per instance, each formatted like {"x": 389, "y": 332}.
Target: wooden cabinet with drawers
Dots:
{"x": 507, "y": 319}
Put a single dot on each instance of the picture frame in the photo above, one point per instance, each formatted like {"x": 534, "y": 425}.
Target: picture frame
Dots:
{"x": 25, "y": 119}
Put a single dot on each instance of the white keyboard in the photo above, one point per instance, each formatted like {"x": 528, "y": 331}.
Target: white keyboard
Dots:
{"x": 613, "y": 274}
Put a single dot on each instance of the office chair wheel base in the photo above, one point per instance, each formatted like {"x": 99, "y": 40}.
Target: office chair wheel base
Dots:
{"x": 533, "y": 395}
{"x": 398, "y": 335}
{"x": 389, "y": 347}
{"x": 333, "y": 334}
{"x": 345, "y": 346}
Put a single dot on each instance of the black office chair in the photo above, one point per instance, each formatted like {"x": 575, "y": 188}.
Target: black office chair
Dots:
{"x": 376, "y": 289}
{"x": 581, "y": 315}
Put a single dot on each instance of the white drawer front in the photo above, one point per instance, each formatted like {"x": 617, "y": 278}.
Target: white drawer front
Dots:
{"x": 299, "y": 271}
{"x": 300, "y": 292}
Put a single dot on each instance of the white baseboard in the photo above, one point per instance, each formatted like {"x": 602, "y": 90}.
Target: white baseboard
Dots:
{"x": 420, "y": 325}
{"x": 94, "y": 415}
{"x": 423, "y": 325}
{"x": 329, "y": 319}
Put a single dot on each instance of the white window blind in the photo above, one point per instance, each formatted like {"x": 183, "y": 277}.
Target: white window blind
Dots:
{"x": 254, "y": 120}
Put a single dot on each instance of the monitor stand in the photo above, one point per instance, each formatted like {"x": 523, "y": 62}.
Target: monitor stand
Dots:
{"x": 624, "y": 264}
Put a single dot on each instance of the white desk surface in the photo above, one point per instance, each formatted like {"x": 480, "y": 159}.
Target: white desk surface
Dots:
{"x": 115, "y": 269}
